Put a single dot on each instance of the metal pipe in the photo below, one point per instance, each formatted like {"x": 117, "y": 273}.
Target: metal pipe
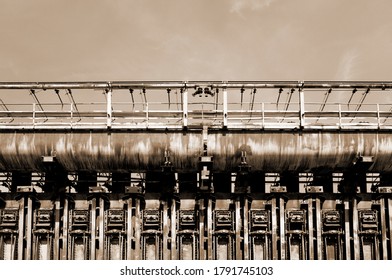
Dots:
{"x": 382, "y": 85}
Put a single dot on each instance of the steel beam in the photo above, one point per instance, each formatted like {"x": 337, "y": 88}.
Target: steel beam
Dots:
{"x": 209, "y": 230}
{"x": 173, "y": 232}
{"x": 274, "y": 234}
{"x": 246, "y": 229}
{"x": 238, "y": 221}
{"x": 165, "y": 233}
{"x": 201, "y": 228}
{"x": 357, "y": 249}
{"x": 347, "y": 239}
{"x": 64, "y": 237}
{"x": 29, "y": 228}
{"x": 137, "y": 229}
{"x": 319, "y": 238}
{"x": 130, "y": 233}
{"x": 341, "y": 85}
{"x": 390, "y": 225}
{"x": 93, "y": 228}
{"x": 282, "y": 229}
{"x": 57, "y": 218}
{"x": 101, "y": 236}
{"x": 21, "y": 230}
{"x": 310, "y": 229}
{"x": 383, "y": 229}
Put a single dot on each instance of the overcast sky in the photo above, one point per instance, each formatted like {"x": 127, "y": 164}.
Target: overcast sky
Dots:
{"x": 72, "y": 40}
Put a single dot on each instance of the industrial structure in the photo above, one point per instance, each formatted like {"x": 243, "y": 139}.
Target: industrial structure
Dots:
{"x": 204, "y": 170}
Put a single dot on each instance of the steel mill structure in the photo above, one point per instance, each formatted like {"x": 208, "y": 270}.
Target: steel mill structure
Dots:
{"x": 202, "y": 170}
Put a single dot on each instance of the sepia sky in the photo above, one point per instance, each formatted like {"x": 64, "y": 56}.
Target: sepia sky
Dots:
{"x": 73, "y": 40}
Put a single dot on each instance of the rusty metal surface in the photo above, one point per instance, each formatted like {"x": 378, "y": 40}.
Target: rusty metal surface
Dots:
{"x": 275, "y": 151}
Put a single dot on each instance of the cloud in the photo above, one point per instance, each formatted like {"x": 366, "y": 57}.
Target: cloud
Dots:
{"x": 348, "y": 66}
{"x": 238, "y": 6}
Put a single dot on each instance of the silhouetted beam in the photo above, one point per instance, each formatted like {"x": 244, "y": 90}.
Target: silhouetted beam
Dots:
{"x": 192, "y": 84}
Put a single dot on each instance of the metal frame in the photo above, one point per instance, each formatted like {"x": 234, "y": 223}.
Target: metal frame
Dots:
{"x": 215, "y": 112}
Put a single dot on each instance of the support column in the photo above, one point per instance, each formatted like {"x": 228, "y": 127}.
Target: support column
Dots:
{"x": 274, "y": 222}
{"x": 201, "y": 228}
{"x": 137, "y": 229}
{"x": 173, "y": 248}
{"x": 130, "y": 255}
{"x": 357, "y": 249}
{"x": 64, "y": 252}
{"x": 238, "y": 253}
{"x": 29, "y": 228}
{"x": 282, "y": 229}
{"x": 64, "y": 236}
{"x": 93, "y": 228}
{"x": 246, "y": 229}
{"x": 165, "y": 226}
{"x": 347, "y": 228}
{"x": 319, "y": 238}
{"x": 209, "y": 230}
{"x": 101, "y": 244}
{"x": 57, "y": 217}
{"x": 21, "y": 228}
{"x": 390, "y": 225}
{"x": 383, "y": 229}
{"x": 310, "y": 228}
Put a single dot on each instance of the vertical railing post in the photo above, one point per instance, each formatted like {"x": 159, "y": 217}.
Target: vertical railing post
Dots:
{"x": 224, "y": 107}
{"x": 378, "y": 116}
{"x": 185, "y": 108}
{"x": 301, "y": 108}
{"x": 109, "y": 108}
{"x": 34, "y": 114}
{"x": 340, "y": 116}
{"x": 71, "y": 111}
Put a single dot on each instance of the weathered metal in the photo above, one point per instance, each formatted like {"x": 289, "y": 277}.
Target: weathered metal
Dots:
{"x": 267, "y": 151}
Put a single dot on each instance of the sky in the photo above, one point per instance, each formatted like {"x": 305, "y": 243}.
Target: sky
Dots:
{"x": 181, "y": 40}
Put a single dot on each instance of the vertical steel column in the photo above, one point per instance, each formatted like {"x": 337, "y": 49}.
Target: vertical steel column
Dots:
{"x": 383, "y": 229}
{"x": 390, "y": 225}
{"x": 201, "y": 228}
{"x": 301, "y": 108}
{"x": 209, "y": 230}
{"x": 173, "y": 248}
{"x": 347, "y": 228}
{"x": 319, "y": 239}
{"x": 21, "y": 228}
{"x": 246, "y": 229}
{"x": 64, "y": 253}
{"x": 274, "y": 233}
{"x": 29, "y": 228}
{"x": 93, "y": 227}
{"x": 165, "y": 226}
{"x": 109, "y": 108}
{"x": 185, "y": 108}
{"x": 130, "y": 255}
{"x": 100, "y": 220}
{"x": 282, "y": 229}
{"x": 310, "y": 229}
{"x": 238, "y": 253}
{"x": 225, "y": 106}
{"x": 137, "y": 229}
{"x": 57, "y": 217}
{"x": 357, "y": 249}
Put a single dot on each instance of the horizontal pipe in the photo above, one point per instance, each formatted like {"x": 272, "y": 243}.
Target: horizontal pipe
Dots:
{"x": 192, "y": 84}
{"x": 266, "y": 151}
